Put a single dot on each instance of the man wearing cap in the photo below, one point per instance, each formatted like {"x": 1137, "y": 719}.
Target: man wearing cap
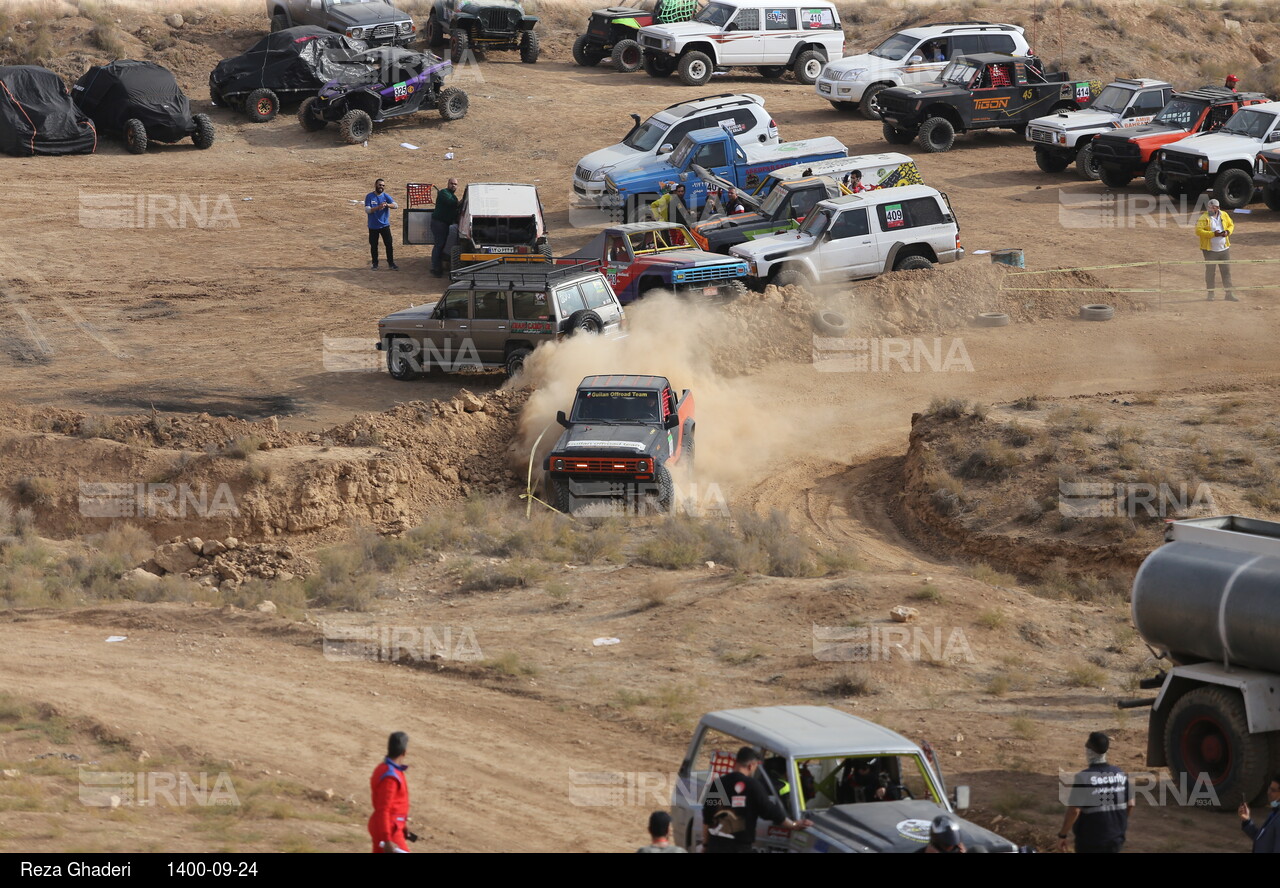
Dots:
{"x": 735, "y": 802}
{"x": 1098, "y": 801}
{"x": 1214, "y": 230}
{"x": 387, "y": 825}
{"x": 660, "y": 836}
{"x": 1232, "y": 80}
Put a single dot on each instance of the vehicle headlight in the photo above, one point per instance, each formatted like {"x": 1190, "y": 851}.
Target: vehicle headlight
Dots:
{"x": 406, "y": 27}
{"x": 599, "y": 175}
{"x": 558, "y": 465}
{"x": 1062, "y": 138}
{"x": 1163, "y": 157}
{"x": 853, "y": 73}
{"x": 1203, "y": 163}
{"x": 355, "y": 33}
{"x": 679, "y": 275}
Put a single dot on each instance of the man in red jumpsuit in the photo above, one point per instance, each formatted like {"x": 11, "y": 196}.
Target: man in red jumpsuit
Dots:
{"x": 390, "y": 792}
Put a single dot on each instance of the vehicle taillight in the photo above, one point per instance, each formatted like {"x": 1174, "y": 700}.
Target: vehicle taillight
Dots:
{"x": 958, "y": 240}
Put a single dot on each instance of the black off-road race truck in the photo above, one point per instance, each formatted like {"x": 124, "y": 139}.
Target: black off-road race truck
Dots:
{"x": 621, "y": 440}
{"x": 981, "y": 91}
{"x": 480, "y": 26}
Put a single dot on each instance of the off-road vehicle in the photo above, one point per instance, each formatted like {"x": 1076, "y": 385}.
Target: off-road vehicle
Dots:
{"x": 287, "y": 66}
{"x": 1125, "y": 153}
{"x": 913, "y": 55}
{"x": 141, "y": 103}
{"x": 1222, "y": 160}
{"x": 623, "y": 436}
{"x": 612, "y": 32}
{"x": 394, "y": 83}
{"x": 746, "y": 33}
{"x": 1067, "y": 136}
{"x": 981, "y": 91}
{"x": 1266, "y": 176}
{"x": 500, "y": 220}
{"x": 375, "y": 22}
{"x": 742, "y": 114}
{"x": 859, "y": 236}
{"x": 495, "y": 314}
{"x": 646, "y": 256}
{"x": 481, "y": 26}
{"x": 38, "y": 116}
{"x": 867, "y": 789}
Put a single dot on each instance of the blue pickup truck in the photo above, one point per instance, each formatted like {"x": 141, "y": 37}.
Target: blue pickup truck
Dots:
{"x": 630, "y": 191}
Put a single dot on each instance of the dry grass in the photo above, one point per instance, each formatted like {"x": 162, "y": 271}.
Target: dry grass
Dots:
{"x": 985, "y": 573}
{"x": 1085, "y": 675}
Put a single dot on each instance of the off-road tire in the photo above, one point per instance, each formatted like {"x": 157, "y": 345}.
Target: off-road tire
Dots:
{"x": 261, "y": 105}
{"x": 455, "y": 259}
{"x": 547, "y": 255}
{"x": 895, "y": 136}
{"x": 626, "y": 56}
{"x": 845, "y": 107}
{"x": 307, "y": 116}
{"x": 452, "y": 103}
{"x": 1097, "y": 312}
{"x": 771, "y": 72}
{"x": 808, "y": 67}
{"x": 695, "y": 68}
{"x": 868, "y": 105}
{"x": 584, "y": 320}
{"x": 666, "y": 488}
{"x": 657, "y": 66}
{"x": 1271, "y": 197}
{"x": 1087, "y": 164}
{"x": 435, "y": 30}
{"x": 1208, "y": 719}
{"x": 515, "y": 362}
{"x": 1115, "y": 177}
{"x": 582, "y": 53}
{"x": 1154, "y": 180}
{"x": 135, "y": 137}
{"x": 530, "y": 46}
{"x": 279, "y": 23}
{"x": 1050, "y": 161}
{"x": 355, "y": 127}
{"x": 733, "y": 291}
{"x": 558, "y": 493}
{"x": 912, "y": 263}
{"x": 205, "y": 133}
{"x": 1234, "y": 189}
{"x": 936, "y": 135}
{"x": 830, "y": 323}
{"x": 991, "y": 319}
{"x": 459, "y": 43}
{"x": 792, "y": 277}
{"x": 398, "y": 365}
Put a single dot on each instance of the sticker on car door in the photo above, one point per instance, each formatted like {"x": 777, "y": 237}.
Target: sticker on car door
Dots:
{"x": 893, "y": 217}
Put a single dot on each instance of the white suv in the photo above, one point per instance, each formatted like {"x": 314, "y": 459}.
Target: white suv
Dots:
{"x": 859, "y": 236}
{"x": 801, "y": 37}
{"x": 743, "y": 115}
{"x": 1223, "y": 159}
{"x": 916, "y": 55}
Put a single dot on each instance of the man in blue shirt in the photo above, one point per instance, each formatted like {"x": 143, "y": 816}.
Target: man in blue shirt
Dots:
{"x": 378, "y": 205}
{"x": 1266, "y": 838}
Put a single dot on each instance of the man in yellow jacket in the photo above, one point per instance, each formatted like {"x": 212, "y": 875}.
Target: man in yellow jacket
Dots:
{"x": 1214, "y": 229}
{"x": 662, "y": 209}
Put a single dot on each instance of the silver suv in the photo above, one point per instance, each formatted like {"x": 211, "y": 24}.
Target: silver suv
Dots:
{"x": 495, "y": 314}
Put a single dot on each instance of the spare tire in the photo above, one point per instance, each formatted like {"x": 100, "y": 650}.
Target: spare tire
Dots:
{"x": 1097, "y": 312}
{"x": 584, "y": 320}
{"x": 991, "y": 319}
{"x": 830, "y": 323}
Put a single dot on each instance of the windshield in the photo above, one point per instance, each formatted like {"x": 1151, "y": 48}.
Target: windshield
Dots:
{"x": 715, "y": 14}
{"x": 776, "y": 198}
{"x": 1249, "y": 123}
{"x": 855, "y": 779}
{"x": 614, "y": 405}
{"x": 895, "y": 48}
{"x": 1113, "y": 100}
{"x": 960, "y": 72}
{"x": 645, "y": 137}
{"x": 1179, "y": 112}
{"x": 683, "y": 152}
{"x": 349, "y": 2}
{"x": 661, "y": 241}
{"x": 817, "y": 223}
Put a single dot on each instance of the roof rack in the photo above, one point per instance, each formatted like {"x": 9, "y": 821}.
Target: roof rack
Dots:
{"x": 513, "y": 273}
{"x": 709, "y": 98}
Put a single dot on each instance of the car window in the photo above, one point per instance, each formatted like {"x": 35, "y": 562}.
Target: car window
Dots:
{"x": 570, "y": 300}
{"x": 677, "y": 133}
{"x": 803, "y": 202}
{"x": 747, "y": 20}
{"x": 851, "y": 223}
{"x": 914, "y": 213}
{"x": 738, "y": 121}
{"x": 1149, "y": 102}
{"x": 816, "y": 223}
{"x": 453, "y": 306}
{"x": 817, "y": 19}
{"x": 490, "y": 305}
{"x": 711, "y": 155}
{"x": 1180, "y": 112}
{"x": 997, "y": 43}
{"x": 527, "y": 306}
{"x": 966, "y": 44}
{"x": 854, "y": 780}
{"x": 597, "y": 294}
{"x": 780, "y": 19}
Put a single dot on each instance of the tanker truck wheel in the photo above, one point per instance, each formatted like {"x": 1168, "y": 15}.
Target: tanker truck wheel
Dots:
{"x": 1208, "y": 734}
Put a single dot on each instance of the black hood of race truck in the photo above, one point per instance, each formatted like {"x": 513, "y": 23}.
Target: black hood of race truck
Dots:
{"x": 596, "y": 438}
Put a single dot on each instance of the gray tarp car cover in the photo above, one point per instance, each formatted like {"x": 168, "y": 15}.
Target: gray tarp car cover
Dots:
{"x": 293, "y": 63}
{"x": 129, "y": 90}
{"x": 37, "y": 115}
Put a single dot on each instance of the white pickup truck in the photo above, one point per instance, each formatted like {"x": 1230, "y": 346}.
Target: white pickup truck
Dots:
{"x": 1223, "y": 159}
{"x": 1068, "y": 135}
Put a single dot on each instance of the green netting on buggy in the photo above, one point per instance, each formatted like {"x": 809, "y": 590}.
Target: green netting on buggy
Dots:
{"x": 669, "y": 11}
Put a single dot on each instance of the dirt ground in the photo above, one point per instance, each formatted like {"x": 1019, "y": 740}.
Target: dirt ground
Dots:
{"x": 250, "y": 325}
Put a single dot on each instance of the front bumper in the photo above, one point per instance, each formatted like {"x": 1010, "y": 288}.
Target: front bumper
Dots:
{"x": 839, "y": 90}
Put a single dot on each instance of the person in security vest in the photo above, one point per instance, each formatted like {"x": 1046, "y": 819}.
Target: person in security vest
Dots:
{"x": 390, "y": 790}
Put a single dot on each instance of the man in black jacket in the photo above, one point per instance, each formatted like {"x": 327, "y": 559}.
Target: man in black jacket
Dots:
{"x": 735, "y": 802}
{"x": 1266, "y": 838}
{"x": 1098, "y": 804}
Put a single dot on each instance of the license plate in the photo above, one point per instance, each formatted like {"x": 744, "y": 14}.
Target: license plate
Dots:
{"x": 824, "y": 87}
{"x": 499, "y": 249}
{"x": 710, "y": 291}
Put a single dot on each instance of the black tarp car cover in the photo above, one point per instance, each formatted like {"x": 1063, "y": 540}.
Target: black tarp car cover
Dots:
{"x": 291, "y": 62}
{"x": 129, "y": 90}
{"x": 37, "y": 115}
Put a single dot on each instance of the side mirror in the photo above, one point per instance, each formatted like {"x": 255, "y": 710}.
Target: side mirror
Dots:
{"x": 915, "y": 60}
{"x": 1273, "y": 136}
{"x": 562, "y": 419}
{"x": 672, "y": 420}
{"x": 666, "y": 148}
{"x": 961, "y": 798}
